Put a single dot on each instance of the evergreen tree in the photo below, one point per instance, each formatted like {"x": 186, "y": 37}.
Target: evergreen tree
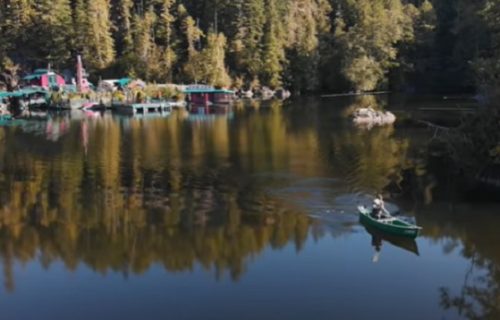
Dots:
{"x": 247, "y": 43}
{"x": 15, "y": 17}
{"x": 213, "y": 60}
{"x": 368, "y": 43}
{"x": 146, "y": 51}
{"x": 99, "y": 46}
{"x": 416, "y": 53}
{"x": 307, "y": 25}
{"x": 273, "y": 56}
{"x": 122, "y": 20}
{"x": 166, "y": 35}
{"x": 486, "y": 64}
{"x": 50, "y": 32}
{"x": 305, "y": 44}
{"x": 192, "y": 35}
{"x": 79, "y": 25}
{"x": 17, "y": 14}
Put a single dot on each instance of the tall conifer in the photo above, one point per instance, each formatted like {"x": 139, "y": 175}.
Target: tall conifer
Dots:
{"x": 166, "y": 35}
{"x": 247, "y": 44}
{"x": 273, "y": 47}
{"x": 51, "y": 32}
{"x": 99, "y": 46}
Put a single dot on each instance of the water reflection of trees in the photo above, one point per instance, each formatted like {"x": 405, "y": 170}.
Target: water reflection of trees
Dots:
{"x": 480, "y": 294}
{"x": 369, "y": 160}
{"x": 475, "y": 231}
{"x": 141, "y": 193}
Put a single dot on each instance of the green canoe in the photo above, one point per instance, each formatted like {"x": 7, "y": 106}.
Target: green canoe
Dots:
{"x": 390, "y": 225}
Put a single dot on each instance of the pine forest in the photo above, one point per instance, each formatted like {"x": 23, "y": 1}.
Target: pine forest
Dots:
{"x": 304, "y": 45}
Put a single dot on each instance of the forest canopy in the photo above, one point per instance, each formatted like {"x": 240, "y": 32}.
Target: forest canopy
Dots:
{"x": 305, "y": 45}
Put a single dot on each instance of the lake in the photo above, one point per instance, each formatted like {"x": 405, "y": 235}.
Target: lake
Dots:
{"x": 243, "y": 212}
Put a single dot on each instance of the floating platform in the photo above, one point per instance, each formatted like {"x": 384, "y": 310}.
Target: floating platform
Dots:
{"x": 143, "y": 108}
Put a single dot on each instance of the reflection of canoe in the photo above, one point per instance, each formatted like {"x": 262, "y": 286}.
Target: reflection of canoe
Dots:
{"x": 389, "y": 225}
{"x": 407, "y": 244}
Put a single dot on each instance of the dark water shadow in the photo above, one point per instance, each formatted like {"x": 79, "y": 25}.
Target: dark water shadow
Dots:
{"x": 406, "y": 244}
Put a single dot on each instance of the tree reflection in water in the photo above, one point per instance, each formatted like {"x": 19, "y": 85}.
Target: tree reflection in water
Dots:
{"x": 136, "y": 193}
{"x": 122, "y": 194}
{"x": 475, "y": 232}
{"x": 177, "y": 190}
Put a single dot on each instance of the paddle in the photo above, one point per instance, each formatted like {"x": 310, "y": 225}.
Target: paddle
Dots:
{"x": 386, "y": 211}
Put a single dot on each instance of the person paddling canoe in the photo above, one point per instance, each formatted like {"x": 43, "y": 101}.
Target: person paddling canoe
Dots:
{"x": 379, "y": 207}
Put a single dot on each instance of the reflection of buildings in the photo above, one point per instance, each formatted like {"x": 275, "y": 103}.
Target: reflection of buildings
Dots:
{"x": 208, "y": 112}
{"x": 43, "y": 124}
{"x": 204, "y": 96}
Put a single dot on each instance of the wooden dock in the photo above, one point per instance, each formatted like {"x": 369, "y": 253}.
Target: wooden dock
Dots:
{"x": 26, "y": 98}
{"x": 143, "y": 108}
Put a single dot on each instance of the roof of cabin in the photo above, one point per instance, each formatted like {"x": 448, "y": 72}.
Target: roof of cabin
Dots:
{"x": 22, "y": 92}
{"x": 41, "y": 71}
{"x": 123, "y": 81}
{"x": 32, "y": 76}
{"x": 38, "y": 73}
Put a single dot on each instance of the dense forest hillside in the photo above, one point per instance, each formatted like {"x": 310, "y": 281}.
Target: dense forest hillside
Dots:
{"x": 306, "y": 45}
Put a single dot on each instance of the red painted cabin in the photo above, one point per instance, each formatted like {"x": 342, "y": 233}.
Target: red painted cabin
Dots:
{"x": 209, "y": 96}
{"x": 45, "y": 79}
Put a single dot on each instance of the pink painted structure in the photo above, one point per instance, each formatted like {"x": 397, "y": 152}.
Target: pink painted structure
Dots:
{"x": 45, "y": 79}
{"x": 82, "y": 84}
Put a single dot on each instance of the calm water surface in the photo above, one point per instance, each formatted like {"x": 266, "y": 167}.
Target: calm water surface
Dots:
{"x": 235, "y": 213}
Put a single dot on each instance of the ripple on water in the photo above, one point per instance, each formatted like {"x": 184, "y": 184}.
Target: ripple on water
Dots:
{"x": 325, "y": 199}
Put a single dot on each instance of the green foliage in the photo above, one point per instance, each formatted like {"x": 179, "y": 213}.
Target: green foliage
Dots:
{"x": 168, "y": 57}
{"x": 139, "y": 96}
{"x": 192, "y": 36}
{"x": 273, "y": 56}
{"x": 146, "y": 52}
{"x": 9, "y": 78}
{"x": 415, "y": 55}
{"x": 486, "y": 64}
{"x": 50, "y": 31}
{"x": 98, "y": 48}
{"x": 56, "y": 98}
{"x": 487, "y": 74}
{"x": 164, "y": 92}
{"x": 246, "y": 46}
{"x": 213, "y": 61}
{"x": 119, "y": 96}
{"x": 307, "y": 27}
{"x": 121, "y": 16}
{"x": 307, "y": 45}
{"x": 368, "y": 41}
{"x": 474, "y": 145}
